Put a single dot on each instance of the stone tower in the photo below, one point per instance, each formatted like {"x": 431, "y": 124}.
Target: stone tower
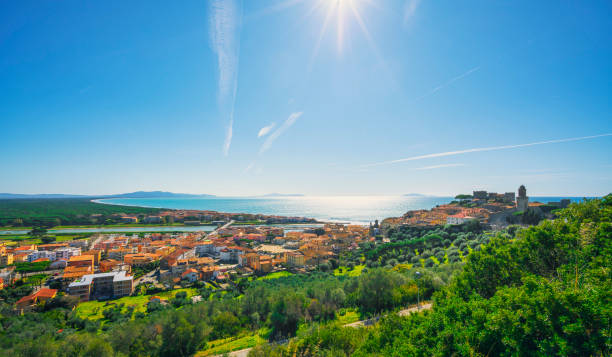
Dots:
{"x": 522, "y": 201}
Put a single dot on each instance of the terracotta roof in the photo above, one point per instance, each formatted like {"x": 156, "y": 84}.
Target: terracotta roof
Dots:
{"x": 75, "y": 258}
{"x": 44, "y": 293}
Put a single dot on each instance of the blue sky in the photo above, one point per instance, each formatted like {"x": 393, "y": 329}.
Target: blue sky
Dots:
{"x": 103, "y": 97}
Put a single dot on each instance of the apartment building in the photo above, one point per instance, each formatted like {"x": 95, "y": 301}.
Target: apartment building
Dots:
{"x": 102, "y": 286}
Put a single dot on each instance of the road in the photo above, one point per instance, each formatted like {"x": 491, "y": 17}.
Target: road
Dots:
{"x": 427, "y": 306}
{"x": 214, "y": 233}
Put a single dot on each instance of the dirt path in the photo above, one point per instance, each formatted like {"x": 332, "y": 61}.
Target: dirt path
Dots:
{"x": 426, "y": 306}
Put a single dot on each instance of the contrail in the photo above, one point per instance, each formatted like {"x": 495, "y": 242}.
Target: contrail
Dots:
{"x": 438, "y": 166}
{"x": 286, "y": 125}
{"x": 448, "y": 83}
{"x": 491, "y": 148}
{"x": 225, "y": 23}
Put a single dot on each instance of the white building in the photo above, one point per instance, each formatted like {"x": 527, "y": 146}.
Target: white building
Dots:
{"x": 42, "y": 254}
{"x": 458, "y": 219}
{"x": 66, "y": 253}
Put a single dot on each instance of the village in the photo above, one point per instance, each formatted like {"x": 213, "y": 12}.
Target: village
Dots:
{"x": 111, "y": 266}
{"x": 497, "y": 210}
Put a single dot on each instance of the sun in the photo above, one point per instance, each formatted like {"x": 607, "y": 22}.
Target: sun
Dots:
{"x": 339, "y": 11}
{"x": 338, "y": 14}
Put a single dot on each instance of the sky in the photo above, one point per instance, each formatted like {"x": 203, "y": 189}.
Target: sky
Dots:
{"x": 317, "y": 97}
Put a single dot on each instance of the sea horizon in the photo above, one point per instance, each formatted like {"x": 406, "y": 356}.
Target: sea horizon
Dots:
{"x": 361, "y": 209}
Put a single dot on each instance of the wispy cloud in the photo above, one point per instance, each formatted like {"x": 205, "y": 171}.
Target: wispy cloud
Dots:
{"x": 433, "y": 167}
{"x": 286, "y": 125}
{"x": 491, "y": 148}
{"x": 228, "y": 135}
{"x": 410, "y": 8}
{"x": 250, "y": 167}
{"x": 225, "y": 23}
{"x": 265, "y": 130}
{"x": 447, "y": 83}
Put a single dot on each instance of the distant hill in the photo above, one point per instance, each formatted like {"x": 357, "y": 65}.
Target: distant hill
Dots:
{"x": 137, "y": 194}
{"x": 414, "y": 195}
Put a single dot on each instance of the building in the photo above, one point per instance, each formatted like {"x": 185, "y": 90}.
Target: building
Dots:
{"x": 140, "y": 259}
{"x": 208, "y": 272}
{"x": 129, "y": 219}
{"x": 41, "y": 295}
{"x": 522, "y": 201}
{"x": 479, "y": 195}
{"x": 81, "y": 261}
{"x": 72, "y": 273}
{"x": 102, "y": 286}
{"x": 119, "y": 253}
{"x": 41, "y": 254}
{"x": 295, "y": 259}
{"x": 6, "y": 259}
{"x": 66, "y": 253}
{"x": 153, "y": 219}
{"x": 509, "y": 197}
{"x": 191, "y": 275}
{"x": 458, "y": 218}
{"x": 96, "y": 254}
{"x": 249, "y": 260}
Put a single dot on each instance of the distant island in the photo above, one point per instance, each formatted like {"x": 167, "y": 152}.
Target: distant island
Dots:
{"x": 414, "y": 195}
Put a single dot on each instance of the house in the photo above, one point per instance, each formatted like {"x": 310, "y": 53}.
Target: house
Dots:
{"x": 191, "y": 275}
{"x": 41, "y": 295}
{"x": 458, "y": 218}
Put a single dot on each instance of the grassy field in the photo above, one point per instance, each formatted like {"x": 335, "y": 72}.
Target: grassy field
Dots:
{"x": 350, "y": 316}
{"x": 230, "y": 344}
{"x": 355, "y": 272}
{"x": 93, "y": 309}
{"x": 22, "y": 239}
{"x": 278, "y": 274}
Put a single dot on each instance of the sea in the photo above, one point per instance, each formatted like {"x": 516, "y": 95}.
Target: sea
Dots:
{"x": 343, "y": 209}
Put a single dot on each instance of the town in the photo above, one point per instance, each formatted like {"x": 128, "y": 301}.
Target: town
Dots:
{"x": 111, "y": 266}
